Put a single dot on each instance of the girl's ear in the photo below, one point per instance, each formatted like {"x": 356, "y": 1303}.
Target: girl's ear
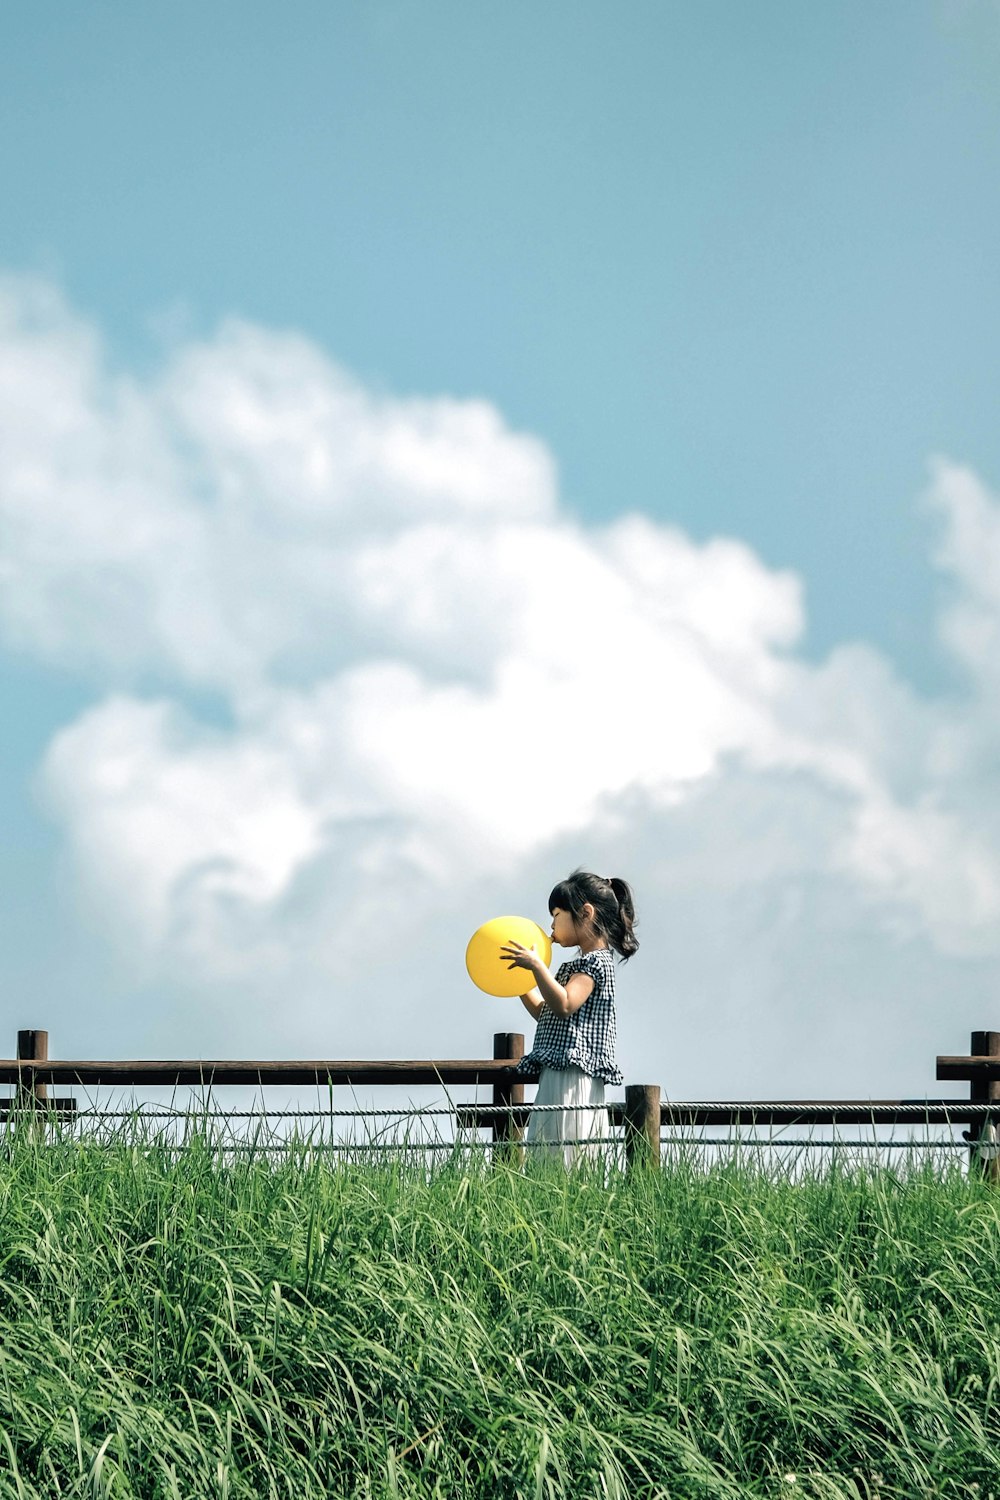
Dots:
{"x": 589, "y": 911}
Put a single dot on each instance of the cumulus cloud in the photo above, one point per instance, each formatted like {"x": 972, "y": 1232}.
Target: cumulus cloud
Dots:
{"x": 428, "y": 682}
{"x": 210, "y": 526}
{"x": 968, "y": 555}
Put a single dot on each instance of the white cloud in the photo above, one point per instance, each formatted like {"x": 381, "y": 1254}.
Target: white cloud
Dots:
{"x": 281, "y": 430}
{"x": 432, "y": 683}
{"x": 935, "y": 866}
{"x": 157, "y": 806}
{"x": 968, "y": 552}
{"x": 206, "y": 526}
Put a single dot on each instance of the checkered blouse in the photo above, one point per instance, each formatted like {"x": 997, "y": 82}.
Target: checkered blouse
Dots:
{"x": 586, "y": 1039}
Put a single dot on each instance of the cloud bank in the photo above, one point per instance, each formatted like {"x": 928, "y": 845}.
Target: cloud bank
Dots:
{"x": 359, "y": 677}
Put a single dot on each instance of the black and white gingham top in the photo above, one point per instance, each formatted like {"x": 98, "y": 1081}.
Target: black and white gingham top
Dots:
{"x": 586, "y": 1039}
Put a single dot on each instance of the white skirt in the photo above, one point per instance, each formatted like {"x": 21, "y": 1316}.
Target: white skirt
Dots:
{"x": 581, "y": 1116}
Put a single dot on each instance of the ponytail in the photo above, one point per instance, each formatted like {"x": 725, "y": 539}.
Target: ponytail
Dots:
{"x": 622, "y": 892}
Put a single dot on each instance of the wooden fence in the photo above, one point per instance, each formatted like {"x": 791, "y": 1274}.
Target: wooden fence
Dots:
{"x": 642, "y": 1115}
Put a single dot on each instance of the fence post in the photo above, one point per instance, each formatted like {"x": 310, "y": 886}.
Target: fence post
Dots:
{"x": 642, "y": 1125}
{"x": 33, "y": 1046}
{"x": 984, "y": 1091}
{"x": 507, "y": 1046}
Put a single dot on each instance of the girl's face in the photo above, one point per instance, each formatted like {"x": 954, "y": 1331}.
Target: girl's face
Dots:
{"x": 564, "y": 929}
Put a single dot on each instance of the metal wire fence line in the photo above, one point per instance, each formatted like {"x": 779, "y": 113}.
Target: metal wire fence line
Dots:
{"x": 399, "y": 1130}
{"x": 959, "y": 1109}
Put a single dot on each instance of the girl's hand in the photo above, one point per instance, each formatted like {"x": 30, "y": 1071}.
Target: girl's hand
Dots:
{"x": 520, "y": 957}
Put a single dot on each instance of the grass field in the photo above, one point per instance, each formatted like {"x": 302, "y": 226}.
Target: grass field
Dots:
{"x": 179, "y": 1324}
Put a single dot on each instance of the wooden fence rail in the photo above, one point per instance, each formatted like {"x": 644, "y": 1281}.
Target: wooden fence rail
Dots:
{"x": 642, "y": 1114}
{"x": 212, "y": 1072}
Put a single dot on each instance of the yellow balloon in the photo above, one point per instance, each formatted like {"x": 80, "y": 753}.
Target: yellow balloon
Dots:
{"x": 488, "y": 969}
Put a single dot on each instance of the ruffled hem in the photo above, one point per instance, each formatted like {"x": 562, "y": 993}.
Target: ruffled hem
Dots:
{"x": 606, "y": 1072}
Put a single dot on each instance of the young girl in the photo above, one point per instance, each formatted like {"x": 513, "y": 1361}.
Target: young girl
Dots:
{"x": 574, "y": 1045}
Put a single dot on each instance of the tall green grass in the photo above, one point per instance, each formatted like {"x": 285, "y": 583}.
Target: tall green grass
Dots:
{"x": 179, "y": 1323}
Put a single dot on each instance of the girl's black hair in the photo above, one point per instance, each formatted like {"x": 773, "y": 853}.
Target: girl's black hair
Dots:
{"x": 614, "y": 908}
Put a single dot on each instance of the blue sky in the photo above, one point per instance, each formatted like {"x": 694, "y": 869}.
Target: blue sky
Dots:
{"x": 732, "y": 267}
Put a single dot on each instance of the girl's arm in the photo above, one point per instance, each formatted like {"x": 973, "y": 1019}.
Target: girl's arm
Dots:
{"x": 533, "y": 1004}
{"x": 563, "y": 1000}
